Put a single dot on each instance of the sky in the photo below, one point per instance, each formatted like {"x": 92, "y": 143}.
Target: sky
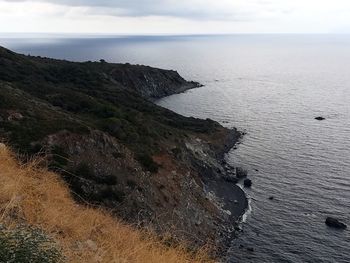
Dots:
{"x": 174, "y": 16}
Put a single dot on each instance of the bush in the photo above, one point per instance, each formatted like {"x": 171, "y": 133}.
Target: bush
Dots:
{"x": 27, "y": 245}
{"x": 59, "y": 158}
{"x": 83, "y": 170}
{"x": 148, "y": 163}
{"x": 109, "y": 193}
{"x": 131, "y": 183}
{"x": 176, "y": 151}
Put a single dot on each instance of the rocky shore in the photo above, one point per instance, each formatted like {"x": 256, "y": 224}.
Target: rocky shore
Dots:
{"x": 97, "y": 126}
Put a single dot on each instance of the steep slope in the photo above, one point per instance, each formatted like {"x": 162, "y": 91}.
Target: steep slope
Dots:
{"x": 33, "y": 197}
{"x": 115, "y": 148}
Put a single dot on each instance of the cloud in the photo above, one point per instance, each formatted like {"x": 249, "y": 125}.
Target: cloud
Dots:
{"x": 189, "y": 9}
{"x": 175, "y": 16}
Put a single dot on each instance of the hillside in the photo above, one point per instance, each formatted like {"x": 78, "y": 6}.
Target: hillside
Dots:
{"x": 97, "y": 126}
{"x": 35, "y": 198}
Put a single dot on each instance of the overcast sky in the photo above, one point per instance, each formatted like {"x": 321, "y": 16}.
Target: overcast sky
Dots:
{"x": 175, "y": 16}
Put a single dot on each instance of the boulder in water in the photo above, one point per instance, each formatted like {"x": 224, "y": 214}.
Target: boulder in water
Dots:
{"x": 320, "y": 118}
{"x": 250, "y": 249}
{"x": 248, "y": 183}
{"x": 335, "y": 223}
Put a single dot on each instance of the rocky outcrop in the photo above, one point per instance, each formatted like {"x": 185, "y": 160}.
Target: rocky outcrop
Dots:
{"x": 248, "y": 183}
{"x": 335, "y": 223}
{"x": 116, "y": 149}
{"x": 151, "y": 83}
{"x": 241, "y": 173}
{"x": 187, "y": 197}
{"x": 320, "y": 118}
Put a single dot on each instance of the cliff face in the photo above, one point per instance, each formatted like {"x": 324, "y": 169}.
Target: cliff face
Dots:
{"x": 115, "y": 148}
{"x": 151, "y": 83}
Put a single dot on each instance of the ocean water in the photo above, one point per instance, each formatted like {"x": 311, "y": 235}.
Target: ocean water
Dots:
{"x": 272, "y": 87}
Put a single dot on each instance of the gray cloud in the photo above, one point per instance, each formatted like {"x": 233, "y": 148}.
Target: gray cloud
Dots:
{"x": 191, "y": 9}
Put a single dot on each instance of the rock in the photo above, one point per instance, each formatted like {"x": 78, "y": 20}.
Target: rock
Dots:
{"x": 237, "y": 228}
{"x": 241, "y": 246}
{"x": 335, "y": 223}
{"x": 320, "y": 118}
{"x": 241, "y": 173}
{"x": 250, "y": 249}
{"x": 231, "y": 179}
{"x": 15, "y": 116}
{"x": 248, "y": 183}
{"x": 271, "y": 198}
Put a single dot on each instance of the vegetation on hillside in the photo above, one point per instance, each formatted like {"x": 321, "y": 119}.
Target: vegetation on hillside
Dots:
{"x": 53, "y": 95}
{"x": 113, "y": 147}
{"x": 37, "y": 199}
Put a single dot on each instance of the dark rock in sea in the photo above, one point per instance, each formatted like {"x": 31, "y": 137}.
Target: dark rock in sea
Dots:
{"x": 237, "y": 228}
{"x": 248, "y": 183}
{"x": 250, "y": 249}
{"x": 271, "y": 198}
{"x": 241, "y": 173}
{"x": 241, "y": 246}
{"x": 320, "y": 118}
{"x": 335, "y": 223}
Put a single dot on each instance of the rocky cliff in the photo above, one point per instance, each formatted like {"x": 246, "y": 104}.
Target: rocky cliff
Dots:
{"x": 150, "y": 82}
{"x": 96, "y": 126}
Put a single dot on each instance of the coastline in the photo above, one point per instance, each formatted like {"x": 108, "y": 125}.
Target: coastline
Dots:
{"x": 234, "y": 201}
{"x": 219, "y": 183}
{"x": 146, "y": 164}
{"x": 231, "y": 139}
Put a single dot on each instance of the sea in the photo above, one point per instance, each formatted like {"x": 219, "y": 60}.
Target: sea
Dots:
{"x": 271, "y": 87}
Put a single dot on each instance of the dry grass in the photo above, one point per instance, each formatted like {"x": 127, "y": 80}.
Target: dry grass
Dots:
{"x": 34, "y": 196}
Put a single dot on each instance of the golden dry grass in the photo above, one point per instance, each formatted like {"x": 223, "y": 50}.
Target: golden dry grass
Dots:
{"x": 34, "y": 196}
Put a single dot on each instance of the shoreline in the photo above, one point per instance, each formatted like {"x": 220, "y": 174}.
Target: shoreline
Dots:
{"x": 233, "y": 196}
{"x": 157, "y": 167}
{"x": 229, "y": 196}
{"x": 233, "y": 137}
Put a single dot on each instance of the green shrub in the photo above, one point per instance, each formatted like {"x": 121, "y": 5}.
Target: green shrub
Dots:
{"x": 131, "y": 183}
{"x": 109, "y": 193}
{"x": 59, "y": 158}
{"x": 83, "y": 170}
{"x": 25, "y": 244}
{"x": 176, "y": 151}
{"x": 148, "y": 163}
